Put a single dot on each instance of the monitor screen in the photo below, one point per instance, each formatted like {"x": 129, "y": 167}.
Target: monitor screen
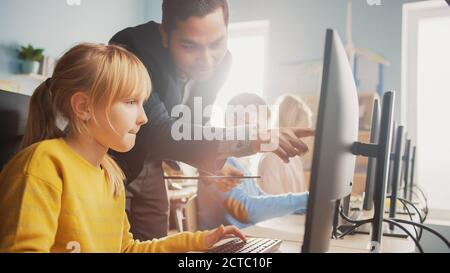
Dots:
{"x": 333, "y": 163}
{"x": 13, "y": 119}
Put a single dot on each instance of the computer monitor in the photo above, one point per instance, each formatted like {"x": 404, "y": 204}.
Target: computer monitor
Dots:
{"x": 395, "y": 171}
{"x": 372, "y": 162}
{"x": 340, "y": 225}
{"x": 13, "y": 119}
{"x": 407, "y": 168}
{"x": 411, "y": 180}
{"x": 333, "y": 162}
{"x": 391, "y": 160}
{"x": 397, "y": 157}
{"x": 383, "y": 154}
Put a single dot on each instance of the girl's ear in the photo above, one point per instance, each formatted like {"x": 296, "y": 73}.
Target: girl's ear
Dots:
{"x": 164, "y": 37}
{"x": 80, "y": 105}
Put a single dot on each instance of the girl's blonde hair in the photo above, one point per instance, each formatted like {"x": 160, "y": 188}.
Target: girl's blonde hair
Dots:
{"x": 106, "y": 73}
{"x": 292, "y": 112}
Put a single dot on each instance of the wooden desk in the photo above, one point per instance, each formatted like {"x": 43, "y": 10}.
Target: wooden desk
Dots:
{"x": 183, "y": 194}
{"x": 291, "y": 230}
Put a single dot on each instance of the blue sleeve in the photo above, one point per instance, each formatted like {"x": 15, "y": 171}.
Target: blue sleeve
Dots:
{"x": 250, "y": 184}
{"x": 248, "y": 199}
{"x": 264, "y": 207}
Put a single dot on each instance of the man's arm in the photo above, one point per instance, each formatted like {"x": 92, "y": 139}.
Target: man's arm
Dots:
{"x": 155, "y": 140}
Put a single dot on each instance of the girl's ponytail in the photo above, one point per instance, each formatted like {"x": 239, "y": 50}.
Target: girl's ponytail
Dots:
{"x": 41, "y": 122}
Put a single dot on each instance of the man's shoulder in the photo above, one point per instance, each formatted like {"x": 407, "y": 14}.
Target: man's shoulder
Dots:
{"x": 147, "y": 31}
{"x": 143, "y": 40}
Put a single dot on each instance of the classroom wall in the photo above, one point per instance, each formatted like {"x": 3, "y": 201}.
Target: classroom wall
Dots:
{"x": 297, "y": 28}
{"x": 56, "y": 26}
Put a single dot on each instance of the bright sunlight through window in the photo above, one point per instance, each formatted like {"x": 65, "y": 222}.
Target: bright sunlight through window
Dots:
{"x": 248, "y": 44}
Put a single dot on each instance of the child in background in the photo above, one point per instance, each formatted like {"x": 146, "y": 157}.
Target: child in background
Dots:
{"x": 63, "y": 192}
{"x": 246, "y": 204}
{"x": 277, "y": 177}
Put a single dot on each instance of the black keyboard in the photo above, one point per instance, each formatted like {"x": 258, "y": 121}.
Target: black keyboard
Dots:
{"x": 253, "y": 245}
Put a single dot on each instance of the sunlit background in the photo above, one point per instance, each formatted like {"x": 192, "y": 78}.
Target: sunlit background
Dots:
{"x": 248, "y": 46}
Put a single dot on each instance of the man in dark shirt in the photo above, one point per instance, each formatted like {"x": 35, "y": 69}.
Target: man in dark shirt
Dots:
{"x": 187, "y": 58}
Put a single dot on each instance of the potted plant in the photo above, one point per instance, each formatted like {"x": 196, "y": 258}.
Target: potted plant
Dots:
{"x": 31, "y": 58}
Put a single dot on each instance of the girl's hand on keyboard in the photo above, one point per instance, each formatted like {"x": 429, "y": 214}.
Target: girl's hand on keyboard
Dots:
{"x": 214, "y": 236}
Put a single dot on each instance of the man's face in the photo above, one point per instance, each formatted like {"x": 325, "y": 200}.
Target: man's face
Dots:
{"x": 198, "y": 45}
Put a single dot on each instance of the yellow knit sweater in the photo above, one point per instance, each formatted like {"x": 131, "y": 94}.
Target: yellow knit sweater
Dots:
{"x": 53, "y": 200}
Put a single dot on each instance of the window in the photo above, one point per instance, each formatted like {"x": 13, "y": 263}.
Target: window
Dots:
{"x": 425, "y": 96}
{"x": 433, "y": 127}
{"x": 248, "y": 43}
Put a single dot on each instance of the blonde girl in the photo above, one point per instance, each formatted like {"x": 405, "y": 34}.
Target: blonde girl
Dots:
{"x": 63, "y": 192}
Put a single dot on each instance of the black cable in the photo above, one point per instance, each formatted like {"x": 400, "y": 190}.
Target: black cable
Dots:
{"x": 420, "y": 198}
{"x": 410, "y": 217}
{"x": 425, "y": 209}
{"x": 353, "y": 221}
{"x": 415, "y": 208}
{"x": 416, "y": 242}
{"x": 422, "y": 220}
{"x": 426, "y": 228}
{"x": 409, "y": 214}
{"x": 405, "y": 205}
{"x": 359, "y": 223}
{"x": 403, "y": 201}
{"x": 352, "y": 230}
{"x": 406, "y": 231}
{"x": 356, "y": 224}
{"x": 424, "y": 197}
{"x": 421, "y": 191}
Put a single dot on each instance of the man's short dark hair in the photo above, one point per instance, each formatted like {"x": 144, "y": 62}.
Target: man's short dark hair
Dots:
{"x": 173, "y": 10}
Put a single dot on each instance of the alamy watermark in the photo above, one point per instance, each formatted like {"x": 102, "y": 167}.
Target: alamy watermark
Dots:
{"x": 256, "y": 119}
{"x": 374, "y": 2}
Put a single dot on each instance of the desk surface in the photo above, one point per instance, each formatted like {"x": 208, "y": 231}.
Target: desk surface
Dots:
{"x": 291, "y": 229}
